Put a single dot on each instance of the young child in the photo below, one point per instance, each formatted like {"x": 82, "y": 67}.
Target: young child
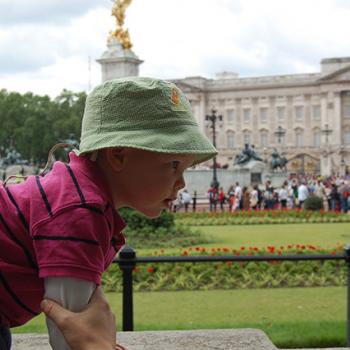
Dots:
{"x": 59, "y": 232}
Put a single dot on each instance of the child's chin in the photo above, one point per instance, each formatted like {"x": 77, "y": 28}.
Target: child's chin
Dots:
{"x": 151, "y": 213}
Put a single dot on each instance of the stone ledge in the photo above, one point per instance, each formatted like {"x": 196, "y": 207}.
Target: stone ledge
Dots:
{"x": 238, "y": 339}
{"x": 220, "y": 339}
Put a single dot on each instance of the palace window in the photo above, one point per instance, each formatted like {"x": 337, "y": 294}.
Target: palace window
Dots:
{"x": 246, "y": 115}
{"x": 230, "y": 139}
{"x": 299, "y": 113}
{"x": 281, "y": 111}
{"x": 347, "y": 137}
{"x": 263, "y": 115}
{"x": 230, "y": 116}
{"x": 299, "y": 138}
{"x": 246, "y": 138}
{"x": 316, "y": 112}
{"x": 317, "y": 138}
{"x": 347, "y": 111}
{"x": 263, "y": 138}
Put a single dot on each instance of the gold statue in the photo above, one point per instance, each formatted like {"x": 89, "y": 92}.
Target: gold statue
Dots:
{"x": 122, "y": 35}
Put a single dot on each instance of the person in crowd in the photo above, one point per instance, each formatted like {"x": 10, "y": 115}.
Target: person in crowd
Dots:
{"x": 343, "y": 192}
{"x": 291, "y": 199}
{"x": 311, "y": 185}
{"x": 283, "y": 195}
{"x": 337, "y": 181}
{"x": 186, "y": 199}
{"x": 260, "y": 198}
{"x": 268, "y": 195}
{"x": 276, "y": 203}
{"x": 238, "y": 196}
{"x": 303, "y": 194}
{"x": 327, "y": 196}
{"x": 295, "y": 193}
{"x": 245, "y": 198}
{"x": 231, "y": 198}
{"x": 334, "y": 197}
{"x": 254, "y": 197}
{"x": 213, "y": 198}
{"x": 177, "y": 202}
{"x": 348, "y": 200}
{"x": 319, "y": 189}
{"x": 222, "y": 199}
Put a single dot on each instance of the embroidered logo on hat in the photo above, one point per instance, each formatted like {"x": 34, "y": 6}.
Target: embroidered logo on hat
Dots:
{"x": 175, "y": 98}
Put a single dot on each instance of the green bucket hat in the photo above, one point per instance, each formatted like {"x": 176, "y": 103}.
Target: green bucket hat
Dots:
{"x": 143, "y": 113}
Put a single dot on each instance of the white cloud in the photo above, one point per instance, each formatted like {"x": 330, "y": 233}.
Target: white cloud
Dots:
{"x": 250, "y": 37}
{"x": 174, "y": 38}
{"x": 54, "y": 58}
{"x": 15, "y": 12}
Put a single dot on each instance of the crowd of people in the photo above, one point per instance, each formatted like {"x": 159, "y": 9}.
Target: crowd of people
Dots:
{"x": 334, "y": 192}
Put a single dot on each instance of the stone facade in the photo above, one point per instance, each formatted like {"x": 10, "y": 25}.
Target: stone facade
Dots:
{"x": 254, "y": 173}
{"x": 305, "y": 106}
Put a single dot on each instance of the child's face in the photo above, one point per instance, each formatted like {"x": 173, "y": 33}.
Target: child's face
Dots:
{"x": 149, "y": 181}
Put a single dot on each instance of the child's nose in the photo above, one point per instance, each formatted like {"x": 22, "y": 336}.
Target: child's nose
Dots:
{"x": 180, "y": 183}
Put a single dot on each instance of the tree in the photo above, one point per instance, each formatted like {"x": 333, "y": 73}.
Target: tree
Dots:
{"x": 33, "y": 124}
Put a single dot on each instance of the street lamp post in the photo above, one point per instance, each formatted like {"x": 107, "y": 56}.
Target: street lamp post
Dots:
{"x": 213, "y": 119}
{"x": 342, "y": 161}
{"x": 280, "y": 133}
{"x": 326, "y": 131}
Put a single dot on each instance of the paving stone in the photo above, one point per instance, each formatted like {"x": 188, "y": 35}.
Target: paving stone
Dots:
{"x": 220, "y": 339}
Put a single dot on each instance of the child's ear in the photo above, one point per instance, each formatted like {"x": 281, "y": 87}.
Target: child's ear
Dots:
{"x": 116, "y": 157}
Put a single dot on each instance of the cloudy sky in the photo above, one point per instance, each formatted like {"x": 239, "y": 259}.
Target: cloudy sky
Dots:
{"x": 45, "y": 45}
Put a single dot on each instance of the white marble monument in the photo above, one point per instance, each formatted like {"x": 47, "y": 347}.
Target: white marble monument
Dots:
{"x": 119, "y": 60}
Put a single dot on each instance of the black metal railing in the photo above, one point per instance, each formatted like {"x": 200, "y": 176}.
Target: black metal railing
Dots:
{"x": 127, "y": 261}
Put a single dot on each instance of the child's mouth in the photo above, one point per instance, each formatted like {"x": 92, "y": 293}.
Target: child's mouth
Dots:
{"x": 168, "y": 202}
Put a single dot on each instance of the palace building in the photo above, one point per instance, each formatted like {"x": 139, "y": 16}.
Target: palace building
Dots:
{"x": 306, "y": 117}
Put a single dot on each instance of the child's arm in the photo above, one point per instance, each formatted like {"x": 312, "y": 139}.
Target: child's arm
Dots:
{"x": 90, "y": 329}
{"x": 73, "y": 294}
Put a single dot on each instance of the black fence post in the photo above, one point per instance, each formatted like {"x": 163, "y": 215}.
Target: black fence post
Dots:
{"x": 347, "y": 259}
{"x": 127, "y": 263}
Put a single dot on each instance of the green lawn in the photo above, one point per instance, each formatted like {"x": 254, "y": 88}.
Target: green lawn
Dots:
{"x": 318, "y": 314}
{"x": 326, "y": 235}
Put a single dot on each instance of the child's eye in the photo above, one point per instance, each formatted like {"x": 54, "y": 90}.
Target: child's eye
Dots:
{"x": 175, "y": 164}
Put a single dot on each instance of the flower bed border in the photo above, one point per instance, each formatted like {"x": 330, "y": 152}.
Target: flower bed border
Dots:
{"x": 261, "y": 217}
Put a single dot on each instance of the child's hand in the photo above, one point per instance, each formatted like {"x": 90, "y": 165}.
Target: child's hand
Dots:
{"x": 93, "y": 328}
